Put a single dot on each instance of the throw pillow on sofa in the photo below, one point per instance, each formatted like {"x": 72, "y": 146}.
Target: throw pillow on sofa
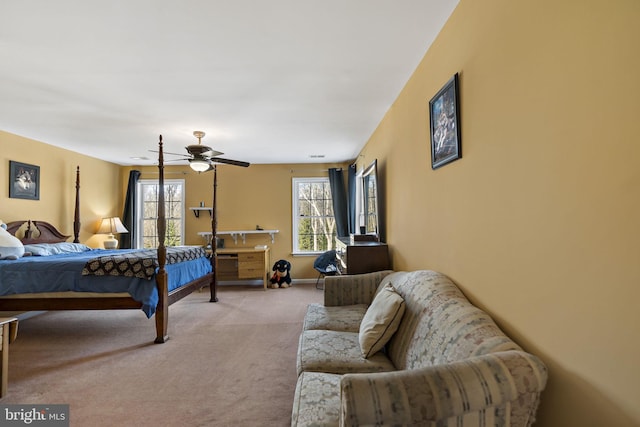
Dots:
{"x": 381, "y": 320}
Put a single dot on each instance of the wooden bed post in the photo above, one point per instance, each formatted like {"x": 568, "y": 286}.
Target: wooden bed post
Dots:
{"x": 76, "y": 215}
{"x": 162, "y": 310}
{"x": 214, "y": 244}
{"x": 47, "y": 233}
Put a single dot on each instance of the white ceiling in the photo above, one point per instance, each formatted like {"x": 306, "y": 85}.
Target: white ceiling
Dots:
{"x": 280, "y": 81}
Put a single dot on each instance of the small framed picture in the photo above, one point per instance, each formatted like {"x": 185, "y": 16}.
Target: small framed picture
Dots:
{"x": 24, "y": 181}
{"x": 444, "y": 116}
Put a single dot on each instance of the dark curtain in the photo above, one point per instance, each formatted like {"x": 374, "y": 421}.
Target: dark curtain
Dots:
{"x": 129, "y": 213}
{"x": 351, "y": 199}
{"x": 339, "y": 196}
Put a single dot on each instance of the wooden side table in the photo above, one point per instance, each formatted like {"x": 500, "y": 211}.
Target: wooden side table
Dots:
{"x": 9, "y": 332}
{"x": 361, "y": 256}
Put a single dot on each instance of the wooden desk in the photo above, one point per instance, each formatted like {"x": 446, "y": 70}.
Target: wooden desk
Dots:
{"x": 9, "y": 331}
{"x": 243, "y": 263}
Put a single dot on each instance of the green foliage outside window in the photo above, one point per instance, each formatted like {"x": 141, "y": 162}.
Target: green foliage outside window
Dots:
{"x": 173, "y": 195}
{"x": 315, "y": 223}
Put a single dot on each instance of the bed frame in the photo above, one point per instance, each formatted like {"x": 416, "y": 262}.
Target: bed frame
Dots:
{"x": 49, "y": 234}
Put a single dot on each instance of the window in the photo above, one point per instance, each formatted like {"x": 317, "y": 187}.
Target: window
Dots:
{"x": 147, "y": 212}
{"x": 314, "y": 226}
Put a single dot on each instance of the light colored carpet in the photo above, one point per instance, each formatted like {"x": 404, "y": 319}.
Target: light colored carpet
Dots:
{"x": 230, "y": 363}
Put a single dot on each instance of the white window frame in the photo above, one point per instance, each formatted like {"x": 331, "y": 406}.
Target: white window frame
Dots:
{"x": 296, "y": 214}
{"x": 138, "y": 240}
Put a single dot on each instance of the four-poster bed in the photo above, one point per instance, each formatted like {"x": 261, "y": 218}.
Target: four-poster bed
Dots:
{"x": 183, "y": 262}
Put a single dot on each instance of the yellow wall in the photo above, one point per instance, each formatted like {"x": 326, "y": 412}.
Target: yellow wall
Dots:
{"x": 99, "y": 195}
{"x": 539, "y": 221}
{"x": 246, "y": 197}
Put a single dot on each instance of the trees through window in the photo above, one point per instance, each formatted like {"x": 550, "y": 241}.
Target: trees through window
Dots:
{"x": 147, "y": 213}
{"x": 314, "y": 225}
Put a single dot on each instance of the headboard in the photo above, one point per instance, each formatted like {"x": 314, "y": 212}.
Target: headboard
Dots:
{"x": 45, "y": 232}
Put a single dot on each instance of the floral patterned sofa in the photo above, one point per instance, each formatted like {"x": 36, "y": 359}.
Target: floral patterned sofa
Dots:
{"x": 447, "y": 364}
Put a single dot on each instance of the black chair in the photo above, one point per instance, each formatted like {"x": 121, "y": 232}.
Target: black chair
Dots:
{"x": 326, "y": 264}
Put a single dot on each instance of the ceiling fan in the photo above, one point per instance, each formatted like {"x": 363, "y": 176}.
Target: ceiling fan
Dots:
{"x": 202, "y": 158}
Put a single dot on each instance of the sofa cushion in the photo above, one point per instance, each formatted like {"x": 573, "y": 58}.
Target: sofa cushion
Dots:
{"x": 316, "y": 401}
{"x": 352, "y": 289}
{"x": 337, "y": 352}
{"x": 339, "y": 318}
{"x": 381, "y": 320}
{"x": 439, "y": 324}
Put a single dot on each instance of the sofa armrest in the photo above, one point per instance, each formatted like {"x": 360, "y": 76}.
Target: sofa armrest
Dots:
{"x": 508, "y": 383}
{"x": 352, "y": 289}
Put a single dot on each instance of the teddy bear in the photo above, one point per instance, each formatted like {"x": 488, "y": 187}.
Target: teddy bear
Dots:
{"x": 10, "y": 246}
{"x": 281, "y": 277}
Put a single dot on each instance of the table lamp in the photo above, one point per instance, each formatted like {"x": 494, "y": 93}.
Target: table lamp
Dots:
{"x": 111, "y": 226}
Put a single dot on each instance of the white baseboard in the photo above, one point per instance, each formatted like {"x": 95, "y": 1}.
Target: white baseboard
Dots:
{"x": 259, "y": 282}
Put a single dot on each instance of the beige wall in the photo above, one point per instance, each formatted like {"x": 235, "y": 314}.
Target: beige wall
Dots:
{"x": 99, "y": 195}
{"x": 246, "y": 197}
{"x": 539, "y": 221}
{"x": 257, "y": 195}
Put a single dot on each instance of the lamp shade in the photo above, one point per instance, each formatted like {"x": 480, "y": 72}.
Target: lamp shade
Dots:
{"x": 111, "y": 226}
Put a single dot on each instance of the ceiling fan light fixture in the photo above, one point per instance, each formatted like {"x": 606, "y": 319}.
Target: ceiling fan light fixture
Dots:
{"x": 199, "y": 165}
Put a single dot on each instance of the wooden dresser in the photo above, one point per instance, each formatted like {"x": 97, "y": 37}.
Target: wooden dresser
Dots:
{"x": 243, "y": 263}
{"x": 361, "y": 257}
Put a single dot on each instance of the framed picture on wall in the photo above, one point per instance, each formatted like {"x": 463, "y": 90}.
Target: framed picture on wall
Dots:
{"x": 24, "y": 181}
{"x": 444, "y": 117}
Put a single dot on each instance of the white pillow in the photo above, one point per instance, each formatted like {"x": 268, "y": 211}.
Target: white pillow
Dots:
{"x": 381, "y": 320}
{"x": 10, "y": 246}
{"x": 46, "y": 249}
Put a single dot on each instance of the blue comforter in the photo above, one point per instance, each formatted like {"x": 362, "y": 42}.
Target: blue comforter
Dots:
{"x": 63, "y": 272}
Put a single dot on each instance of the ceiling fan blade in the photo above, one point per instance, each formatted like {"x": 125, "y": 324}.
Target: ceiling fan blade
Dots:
{"x": 211, "y": 153}
{"x": 230, "y": 162}
{"x": 186, "y": 156}
{"x": 202, "y": 150}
